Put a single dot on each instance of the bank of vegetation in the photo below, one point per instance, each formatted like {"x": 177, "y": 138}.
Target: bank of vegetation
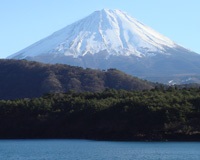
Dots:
{"x": 157, "y": 114}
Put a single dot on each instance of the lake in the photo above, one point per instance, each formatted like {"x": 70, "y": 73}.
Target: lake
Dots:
{"x": 97, "y": 150}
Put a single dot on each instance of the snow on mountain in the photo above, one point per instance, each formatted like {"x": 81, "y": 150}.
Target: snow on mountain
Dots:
{"x": 106, "y": 30}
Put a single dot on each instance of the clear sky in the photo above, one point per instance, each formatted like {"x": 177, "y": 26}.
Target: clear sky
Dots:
{"x": 24, "y": 22}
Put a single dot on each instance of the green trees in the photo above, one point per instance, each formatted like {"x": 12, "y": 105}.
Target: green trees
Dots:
{"x": 158, "y": 114}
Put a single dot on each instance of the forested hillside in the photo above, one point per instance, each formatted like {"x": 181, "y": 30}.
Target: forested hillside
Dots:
{"x": 158, "y": 114}
{"x": 24, "y": 79}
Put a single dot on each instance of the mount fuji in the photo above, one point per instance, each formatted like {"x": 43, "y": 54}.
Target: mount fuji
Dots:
{"x": 113, "y": 39}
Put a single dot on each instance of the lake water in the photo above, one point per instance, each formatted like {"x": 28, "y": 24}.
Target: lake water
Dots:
{"x": 97, "y": 150}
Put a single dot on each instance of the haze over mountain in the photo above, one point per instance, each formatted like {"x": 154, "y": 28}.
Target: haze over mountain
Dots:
{"x": 113, "y": 39}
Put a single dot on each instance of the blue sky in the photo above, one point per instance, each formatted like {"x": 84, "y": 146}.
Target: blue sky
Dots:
{"x": 24, "y": 22}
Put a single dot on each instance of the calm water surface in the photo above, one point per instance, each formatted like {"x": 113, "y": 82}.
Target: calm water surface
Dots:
{"x": 97, "y": 150}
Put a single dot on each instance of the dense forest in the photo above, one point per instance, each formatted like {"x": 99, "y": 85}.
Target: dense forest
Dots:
{"x": 26, "y": 79}
{"x": 156, "y": 114}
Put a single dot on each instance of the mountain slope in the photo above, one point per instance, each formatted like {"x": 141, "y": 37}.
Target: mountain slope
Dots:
{"x": 112, "y": 39}
{"x": 24, "y": 79}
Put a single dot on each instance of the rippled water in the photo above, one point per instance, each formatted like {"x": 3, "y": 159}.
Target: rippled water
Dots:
{"x": 97, "y": 150}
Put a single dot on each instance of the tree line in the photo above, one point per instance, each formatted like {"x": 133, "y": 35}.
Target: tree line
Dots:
{"x": 156, "y": 114}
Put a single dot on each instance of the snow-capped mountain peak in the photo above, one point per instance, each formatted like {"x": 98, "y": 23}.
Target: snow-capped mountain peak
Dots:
{"x": 113, "y": 39}
{"x": 112, "y": 31}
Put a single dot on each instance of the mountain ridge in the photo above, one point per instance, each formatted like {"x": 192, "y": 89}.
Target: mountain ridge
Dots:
{"x": 28, "y": 79}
